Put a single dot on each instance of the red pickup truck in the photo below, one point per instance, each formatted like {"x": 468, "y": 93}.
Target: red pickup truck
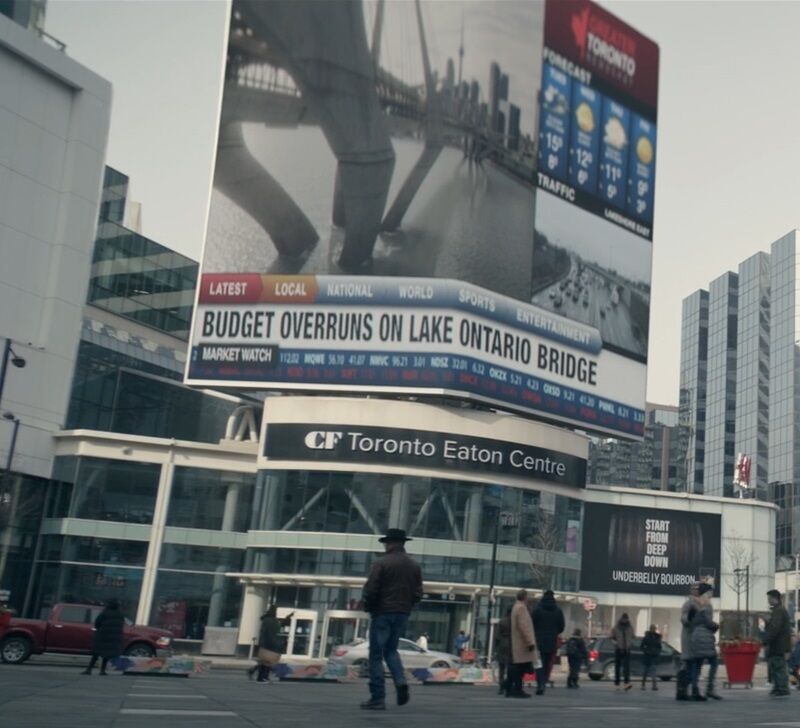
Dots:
{"x": 69, "y": 630}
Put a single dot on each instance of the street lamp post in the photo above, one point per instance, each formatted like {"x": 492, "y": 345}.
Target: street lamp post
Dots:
{"x": 7, "y": 499}
{"x": 8, "y": 355}
{"x": 490, "y": 604}
{"x": 9, "y": 459}
{"x": 797, "y": 590}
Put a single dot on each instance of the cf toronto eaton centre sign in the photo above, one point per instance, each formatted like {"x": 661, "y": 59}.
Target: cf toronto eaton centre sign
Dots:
{"x": 397, "y": 446}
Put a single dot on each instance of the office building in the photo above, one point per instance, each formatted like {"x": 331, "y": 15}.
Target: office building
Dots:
{"x": 739, "y": 388}
{"x": 54, "y": 118}
{"x": 651, "y": 463}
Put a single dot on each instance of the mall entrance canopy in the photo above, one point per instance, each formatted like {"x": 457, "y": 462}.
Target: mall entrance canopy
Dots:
{"x": 340, "y": 626}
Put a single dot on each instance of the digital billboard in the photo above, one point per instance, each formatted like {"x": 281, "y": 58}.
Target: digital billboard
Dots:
{"x": 649, "y": 550}
{"x": 372, "y": 222}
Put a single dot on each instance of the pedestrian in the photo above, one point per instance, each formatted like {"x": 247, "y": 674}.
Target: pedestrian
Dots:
{"x": 548, "y": 623}
{"x": 794, "y": 663}
{"x": 502, "y": 650}
{"x": 270, "y": 645}
{"x": 651, "y": 649}
{"x": 422, "y": 641}
{"x": 462, "y": 640}
{"x": 622, "y": 637}
{"x": 523, "y": 646}
{"x": 108, "y": 636}
{"x": 393, "y": 587}
{"x": 682, "y": 679}
{"x": 778, "y": 643}
{"x": 577, "y": 654}
{"x": 704, "y": 646}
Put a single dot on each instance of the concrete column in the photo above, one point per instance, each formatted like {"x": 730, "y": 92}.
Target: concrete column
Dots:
{"x": 399, "y": 506}
{"x": 472, "y": 517}
{"x": 231, "y": 504}
{"x": 217, "y": 601}
{"x": 156, "y": 541}
{"x": 253, "y": 606}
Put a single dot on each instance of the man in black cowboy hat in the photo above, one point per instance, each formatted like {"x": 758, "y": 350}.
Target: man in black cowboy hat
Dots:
{"x": 393, "y": 587}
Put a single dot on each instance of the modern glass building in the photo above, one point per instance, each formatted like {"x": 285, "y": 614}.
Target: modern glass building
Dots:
{"x": 741, "y": 389}
{"x": 651, "y": 463}
{"x": 692, "y": 395}
{"x": 753, "y": 367}
{"x": 721, "y": 386}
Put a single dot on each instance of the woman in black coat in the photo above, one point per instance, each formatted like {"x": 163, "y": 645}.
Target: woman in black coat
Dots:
{"x": 108, "y": 638}
{"x": 270, "y": 644}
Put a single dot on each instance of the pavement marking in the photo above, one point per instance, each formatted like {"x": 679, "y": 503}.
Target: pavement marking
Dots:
{"x": 168, "y": 695}
{"x": 158, "y": 711}
{"x": 610, "y": 707}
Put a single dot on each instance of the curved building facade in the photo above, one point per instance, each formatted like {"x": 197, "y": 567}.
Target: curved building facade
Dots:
{"x": 191, "y": 536}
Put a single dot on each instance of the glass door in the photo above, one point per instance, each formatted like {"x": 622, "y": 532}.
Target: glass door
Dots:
{"x": 341, "y": 627}
{"x": 299, "y": 629}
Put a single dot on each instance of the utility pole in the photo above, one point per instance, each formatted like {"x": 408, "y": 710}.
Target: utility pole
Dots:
{"x": 490, "y": 604}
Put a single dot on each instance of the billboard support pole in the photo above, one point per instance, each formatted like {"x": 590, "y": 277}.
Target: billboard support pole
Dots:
{"x": 490, "y": 604}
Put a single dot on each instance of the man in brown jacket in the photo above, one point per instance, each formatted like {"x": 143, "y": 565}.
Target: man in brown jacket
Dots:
{"x": 522, "y": 646}
{"x": 393, "y": 587}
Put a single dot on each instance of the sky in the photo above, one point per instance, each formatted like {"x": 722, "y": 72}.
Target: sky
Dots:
{"x": 728, "y": 166}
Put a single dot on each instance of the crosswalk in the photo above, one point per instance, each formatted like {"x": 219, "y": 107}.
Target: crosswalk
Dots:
{"x": 169, "y": 697}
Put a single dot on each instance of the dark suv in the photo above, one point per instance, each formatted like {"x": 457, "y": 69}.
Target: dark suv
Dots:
{"x": 601, "y": 660}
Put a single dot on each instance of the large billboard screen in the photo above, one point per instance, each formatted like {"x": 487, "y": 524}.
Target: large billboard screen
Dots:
{"x": 374, "y": 211}
{"x": 649, "y": 550}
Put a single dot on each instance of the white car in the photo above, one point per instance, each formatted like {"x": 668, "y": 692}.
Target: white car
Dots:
{"x": 413, "y": 656}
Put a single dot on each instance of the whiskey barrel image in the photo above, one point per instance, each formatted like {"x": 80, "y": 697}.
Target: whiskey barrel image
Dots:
{"x": 627, "y": 545}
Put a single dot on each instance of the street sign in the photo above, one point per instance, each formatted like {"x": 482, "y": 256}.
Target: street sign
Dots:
{"x": 589, "y": 604}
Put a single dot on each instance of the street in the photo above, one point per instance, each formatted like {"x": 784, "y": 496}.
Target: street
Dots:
{"x": 586, "y": 294}
{"x": 51, "y": 696}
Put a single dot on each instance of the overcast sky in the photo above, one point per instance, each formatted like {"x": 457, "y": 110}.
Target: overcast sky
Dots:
{"x": 728, "y": 179}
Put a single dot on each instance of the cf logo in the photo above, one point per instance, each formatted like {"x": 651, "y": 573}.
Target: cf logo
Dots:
{"x": 318, "y": 440}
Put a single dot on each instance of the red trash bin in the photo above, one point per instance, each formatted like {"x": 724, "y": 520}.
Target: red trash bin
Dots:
{"x": 740, "y": 662}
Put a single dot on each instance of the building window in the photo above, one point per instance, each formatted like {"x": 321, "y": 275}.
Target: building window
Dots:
{"x": 211, "y": 499}
{"x": 105, "y": 490}
{"x": 185, "y": 603}
{"x": 87, "y": 584}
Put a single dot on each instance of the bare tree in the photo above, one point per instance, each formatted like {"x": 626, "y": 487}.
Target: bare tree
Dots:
{"x": 741, "y": 572}
{"x": 544, "y": 545}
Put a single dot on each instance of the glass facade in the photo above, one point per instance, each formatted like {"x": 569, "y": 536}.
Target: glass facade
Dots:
{"x": 740, "y": 391}
{"x": 721, "y": 386}
{"x": 104, "y": 490}
{"x": 430, "y": 508}
{"x": 651, "y": 463}
{"x": 216, "y": 500}
{"x": 108, "y": 396}
{"x": 21, "y": 504}
{"x": 137, "y": 278}
{"x": 752, "y": 368}
{"x": 115, "y": 194}
{"x": 692, "y": 395}
{"x": 784, "y": 366}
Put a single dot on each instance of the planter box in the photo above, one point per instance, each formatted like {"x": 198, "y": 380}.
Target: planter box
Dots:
{"x": 740, "y": 662}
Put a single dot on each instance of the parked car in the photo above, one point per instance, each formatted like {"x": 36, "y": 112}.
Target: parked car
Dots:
{"x": 357, "y": 653}
{"x": 601, "y": 659}
{"x": 69, "y": 630}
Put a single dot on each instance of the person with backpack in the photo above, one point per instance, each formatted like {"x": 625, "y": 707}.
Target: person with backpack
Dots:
{"x": 651, "y": 649}
{"x": 577, "y": 654}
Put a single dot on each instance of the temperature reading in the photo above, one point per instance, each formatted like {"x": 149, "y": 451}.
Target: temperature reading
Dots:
{"x": 555, "y": 142}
